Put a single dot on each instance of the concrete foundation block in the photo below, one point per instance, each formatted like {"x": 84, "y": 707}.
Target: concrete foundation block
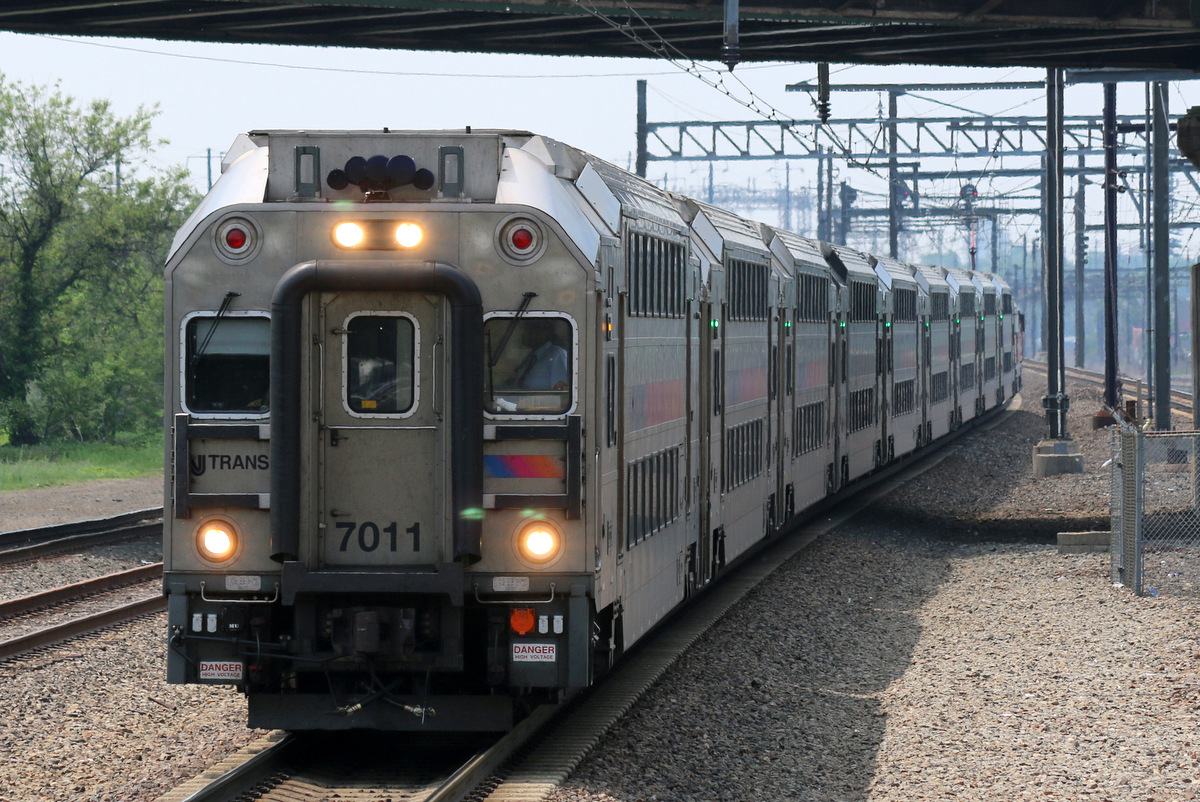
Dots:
{"x": 1052, "y": 457}
{"x": 1083, "y": 542}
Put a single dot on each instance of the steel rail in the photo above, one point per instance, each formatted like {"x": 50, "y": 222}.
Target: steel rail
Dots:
{"x": 25, "y": 544}
{"x": 239, "y": 772}
{"x": 1181, "y": 400}
{"x": 263, "y": 760}
{"x": 87, "y": 587}
{"x": 80, "y": 626}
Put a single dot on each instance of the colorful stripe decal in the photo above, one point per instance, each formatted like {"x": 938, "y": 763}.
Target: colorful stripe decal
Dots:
{"x": 655, "y": 403}
{"x": 814, "y": 374}
{"x": 746, "y": 385}
{"x": 524, "y": 466}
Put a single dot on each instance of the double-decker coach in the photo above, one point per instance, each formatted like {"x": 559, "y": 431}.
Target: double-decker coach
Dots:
{"x": 901, "y": 414}
{"x": 810, "y": 385}
{"x": 736, "y": 489}
{"x": 965, "y": 342}
{"x": 938, "y": 351}
{"x": 1010, "y": 349}
{"x": 858, "y": 362}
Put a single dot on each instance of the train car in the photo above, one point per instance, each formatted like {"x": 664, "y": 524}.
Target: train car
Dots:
{"x": 810, "y": 457}
{"x": 988, "y": 323}
{"x": 903, "y": 366}
{"x": 966, "y": 343}
{"x": 457, "y": 417}
{"x": 937, "y": 401}
{"x": 858, "y": 443}
{"x": 1008, "y": 330}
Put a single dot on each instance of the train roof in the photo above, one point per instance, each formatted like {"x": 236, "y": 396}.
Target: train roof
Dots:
{"x": 930, "y": 278}
{"x": 740, "y": 238}
{"x": 1001, "y": 285}
{"x": 847, "y": 262}
{"x": 892, "y": 271}
{"x": 961, "y": 281}
{"x": 798, "y": 253}
{"x": 639, "y": 199}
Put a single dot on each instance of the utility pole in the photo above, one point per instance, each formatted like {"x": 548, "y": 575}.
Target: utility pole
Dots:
{"x": 822, "y": 229}
{"x": 642, "y": 128}
{"x": 787, "y": 197}
{"x": 1057, "y": 454}
{"x": 1080, "y": 260}
{"x": 1111, "y": 396}
{"x": 829, "y": 195}
{"x": 1162, "y": 262}
{"x": 848, "y": 195}
{"x": 893, "y": 178}
{"x": 995, "y": 243}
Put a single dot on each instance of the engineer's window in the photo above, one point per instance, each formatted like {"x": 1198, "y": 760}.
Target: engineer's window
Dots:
{"x": 528, "y": 364}
{"x": 227, "y": 366}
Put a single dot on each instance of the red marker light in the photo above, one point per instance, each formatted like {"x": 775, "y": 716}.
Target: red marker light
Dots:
{"x": 522, "y": 239}
{"x": 521, "y": 619}
{"x": 235, "y": 238}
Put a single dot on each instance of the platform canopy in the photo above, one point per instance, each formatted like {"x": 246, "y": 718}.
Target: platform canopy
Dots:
{"x": 1151, "y": 34}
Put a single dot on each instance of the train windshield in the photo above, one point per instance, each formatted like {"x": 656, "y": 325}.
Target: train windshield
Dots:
{"x": 379, "y": 359}
{"x": 228, "y": 364}
{"x": 529, "y": 370}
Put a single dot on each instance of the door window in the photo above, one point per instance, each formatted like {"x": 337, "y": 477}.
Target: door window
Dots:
{"x": 379, "y": 358}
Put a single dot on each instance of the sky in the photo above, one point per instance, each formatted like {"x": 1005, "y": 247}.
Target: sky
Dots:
{"x": 208, "y": 93}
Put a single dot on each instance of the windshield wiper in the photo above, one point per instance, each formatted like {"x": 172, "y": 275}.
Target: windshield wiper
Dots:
{"x": 512, "y": 325}
{"x": 212, "y": 329}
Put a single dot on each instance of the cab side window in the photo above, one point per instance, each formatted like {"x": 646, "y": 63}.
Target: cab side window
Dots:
{"x": 228, "y": 364}
{"x": 529, "y": 365}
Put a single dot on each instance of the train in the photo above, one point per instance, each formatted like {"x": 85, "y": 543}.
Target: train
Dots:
{"x": 454, "y": 418}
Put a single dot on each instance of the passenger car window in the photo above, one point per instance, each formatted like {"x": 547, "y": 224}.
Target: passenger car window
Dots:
{"x": 228, "y": 364}
{"x": 379, "y": 375}
{"x": 528, "y": 364}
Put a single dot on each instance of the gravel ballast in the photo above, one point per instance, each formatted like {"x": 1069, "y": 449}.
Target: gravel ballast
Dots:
{"x": 935, "y": 647}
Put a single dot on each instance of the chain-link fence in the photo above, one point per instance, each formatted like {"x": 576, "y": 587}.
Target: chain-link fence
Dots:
{"x": 1156, "y": 512}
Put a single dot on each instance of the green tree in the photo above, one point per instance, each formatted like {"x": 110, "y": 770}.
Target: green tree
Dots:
{"x": 82, "y": 241}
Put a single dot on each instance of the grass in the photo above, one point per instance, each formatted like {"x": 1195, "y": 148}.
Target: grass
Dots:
{"x": 57, "y": 464}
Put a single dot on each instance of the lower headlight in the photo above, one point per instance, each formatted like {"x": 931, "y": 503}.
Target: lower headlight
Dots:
{"x": 217, "y": 540}
{"x": 539, "y": 542}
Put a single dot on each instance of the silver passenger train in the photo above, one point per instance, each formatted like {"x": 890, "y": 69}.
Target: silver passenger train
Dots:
{"x": 456, "y": 417}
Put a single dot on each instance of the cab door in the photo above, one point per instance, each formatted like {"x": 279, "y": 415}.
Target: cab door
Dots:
{"x": 382, "y": 466}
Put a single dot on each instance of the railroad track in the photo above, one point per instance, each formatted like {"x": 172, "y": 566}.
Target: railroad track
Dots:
{"x": 1181, "y": 400}
{"x": 26, "y": 544}
{"x": 529, "y": 762}
{"x": 435, "y": 767}
{"x": 92, "y": 621}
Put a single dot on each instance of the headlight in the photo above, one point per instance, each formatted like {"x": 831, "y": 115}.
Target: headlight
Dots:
{"x": 217, "y": 540}
{"x": 539, "y": 542}
{"x": 348, "y": 235}
{"x": 408, "y": 235}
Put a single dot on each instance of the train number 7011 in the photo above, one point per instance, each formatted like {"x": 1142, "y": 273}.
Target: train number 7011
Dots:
{"x": 370, "y": 535}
